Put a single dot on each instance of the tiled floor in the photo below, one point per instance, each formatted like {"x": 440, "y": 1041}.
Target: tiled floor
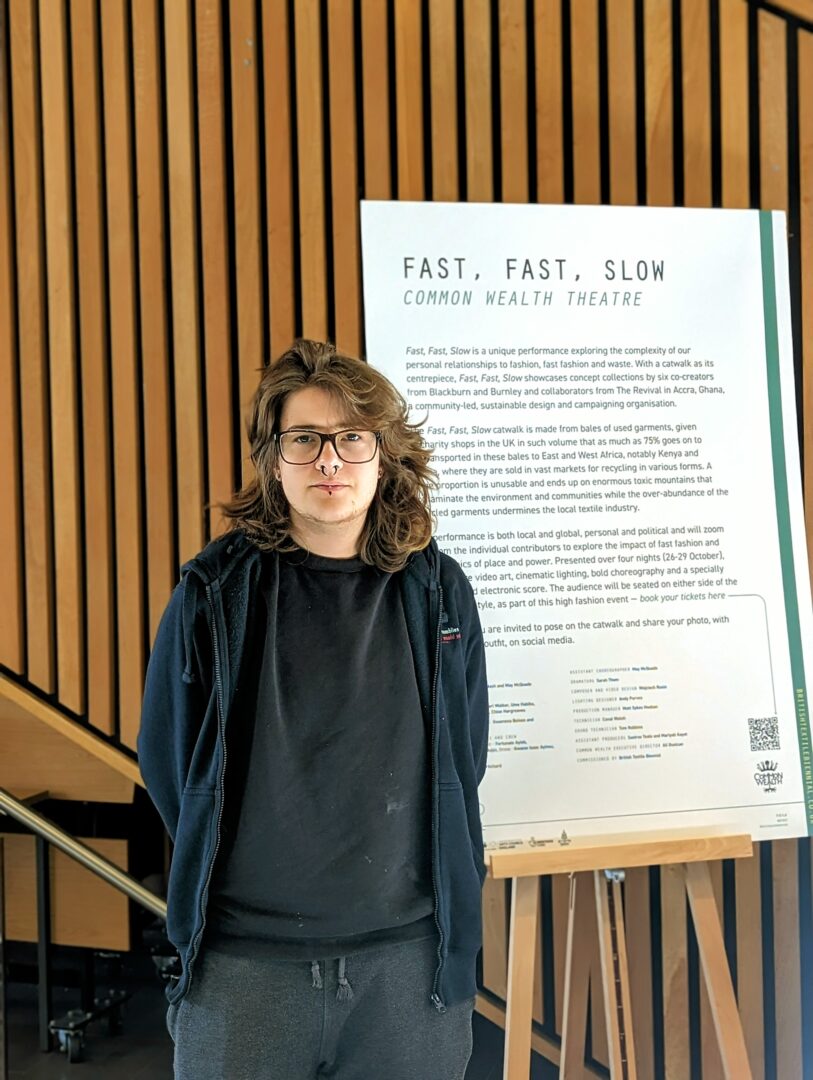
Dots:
{"x": 144, "y": 1050}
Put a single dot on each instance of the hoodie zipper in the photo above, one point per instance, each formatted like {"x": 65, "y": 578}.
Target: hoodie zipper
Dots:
{"x": 435, "y": 997}
{"x": 204, "y": 896}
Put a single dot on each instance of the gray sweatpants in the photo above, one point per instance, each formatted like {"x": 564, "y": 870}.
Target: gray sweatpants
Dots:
{"x": 263, "y": 1019}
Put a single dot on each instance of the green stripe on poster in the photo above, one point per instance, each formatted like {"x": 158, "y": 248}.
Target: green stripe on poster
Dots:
{"x": 783, "y": 512}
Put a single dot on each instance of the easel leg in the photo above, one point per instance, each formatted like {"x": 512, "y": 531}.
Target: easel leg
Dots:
{"x": 615, "y": 976}
{"x": 714, "y": 962}
{"x": 521, "y": 946}
{"x": 581, "y": 930}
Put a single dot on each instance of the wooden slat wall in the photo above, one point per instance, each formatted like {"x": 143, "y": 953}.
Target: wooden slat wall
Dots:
{"x": 279, "y": 172}
{"x": 550, "y": 152}
{"x": 477, "y": 46}
{"x": 696, "y": 103}
{"x": 245, "y": 158}
{"x": 94, "y": 371}
{"x": 214, "y": 241}
{"x": 658, "y": 97}
{"x": 584, "y": 94}
{"x": 153, "y": 308}
{"x": 344, "y": 174}
{"x": 126, "y": 401}
{"x": 311, "y": 157}
{"x": 12, "y": 626}
{"x": 408, "y": 18}
{"x": 621, "y": 93}
{"x": 32, "y": 374}
{"x": 513, "y": 99}
{"x": 179, "y": 190}
{"x": 375, "y": 89}
{"x": 64, "y": 415}
{"x": 182, "y": 174}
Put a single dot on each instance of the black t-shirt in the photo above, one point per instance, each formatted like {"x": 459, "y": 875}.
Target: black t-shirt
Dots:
{"x": 326, "y": 830}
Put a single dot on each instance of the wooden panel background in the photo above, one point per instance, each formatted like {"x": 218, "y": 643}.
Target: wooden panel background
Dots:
{"x": 179, "y": 184}
{"x": 85, "y": 910}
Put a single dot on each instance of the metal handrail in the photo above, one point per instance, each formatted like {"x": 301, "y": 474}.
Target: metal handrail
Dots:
{"x": 89, "y": 858}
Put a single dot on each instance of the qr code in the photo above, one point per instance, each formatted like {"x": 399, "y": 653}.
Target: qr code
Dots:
{"x": 764, "y": 732}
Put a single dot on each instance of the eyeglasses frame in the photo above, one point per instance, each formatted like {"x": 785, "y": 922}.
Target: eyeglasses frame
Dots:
{"x": 324, "y": 436}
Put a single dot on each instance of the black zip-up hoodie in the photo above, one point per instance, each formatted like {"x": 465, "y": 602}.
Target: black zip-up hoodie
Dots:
{"x": 192, "y": 677}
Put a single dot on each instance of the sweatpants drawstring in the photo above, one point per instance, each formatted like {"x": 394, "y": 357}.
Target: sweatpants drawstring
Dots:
{"x": 317, "y": 975}
{"x": 345, "y": 991}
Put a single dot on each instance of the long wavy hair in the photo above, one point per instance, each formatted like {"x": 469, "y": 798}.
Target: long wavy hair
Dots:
{"x": 399, "y": 520}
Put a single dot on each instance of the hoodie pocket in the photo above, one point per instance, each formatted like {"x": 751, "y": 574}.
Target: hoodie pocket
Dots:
{"x": 459, "y": 868}
{"x": 190, "y": 860}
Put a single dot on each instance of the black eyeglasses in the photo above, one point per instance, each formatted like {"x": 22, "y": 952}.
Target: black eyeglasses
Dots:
{"x": 299, "y": 446}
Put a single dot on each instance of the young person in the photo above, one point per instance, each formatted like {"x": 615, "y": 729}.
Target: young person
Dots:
{"x": 314, "y": 730}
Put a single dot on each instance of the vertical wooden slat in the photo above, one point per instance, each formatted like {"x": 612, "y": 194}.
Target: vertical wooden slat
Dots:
{"x": 711, "y": 1062}
{"x": 550, "y": 183}
{"x": 184, "y": 251}
{"x": 523, "y": 921}
{"x": 443, "y": 81}
{"x": 409, "y": 99}
{"x": 151, "y": 218}
{"x": 621, "y": 91}
{"x": 477, "y": 47}
{"x": 639, "y": 953}
{"x": 375, "y": 97}
{"x": 773, "y": 106}
{"x": 514, "y": 100}
{"x": 214, "y": 244}
{"x": 658, "y": 96}
{"x": 70, "y": 615}
{"x": 279, "y": 174}
{"x": 12, "y": 625}
{"x": 677, "y": 1059}
{"x": 95, "y": 380}
{"x": 560, "y": 896}
{"x": 805, "y": 98}
{"x": 696, "y": 103}
{"x": 598, "y": 1019}
{"x": 308, "y": 34}
{"x": 734, "y": 96}
{"x": 749, "y": 959}
{"x": 344, "y": 177}
{"x": 584, "y": 82}
{"x": 125, "y": 390}
{"x": 495, "y": 938}
{"x": 539, "y": 998}
{"x": 787, "y": 949}
{"x": 247, "y": 237}
{"x": 38, "y": 543}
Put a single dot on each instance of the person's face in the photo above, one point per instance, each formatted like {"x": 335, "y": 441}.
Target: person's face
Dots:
{"x": 328, "y": 497}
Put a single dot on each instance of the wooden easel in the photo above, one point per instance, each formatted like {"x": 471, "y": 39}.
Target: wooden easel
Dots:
{"x": 596, "y": 908}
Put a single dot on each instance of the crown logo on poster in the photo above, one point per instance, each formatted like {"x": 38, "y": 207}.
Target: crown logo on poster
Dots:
{"x": 767, "y": 775}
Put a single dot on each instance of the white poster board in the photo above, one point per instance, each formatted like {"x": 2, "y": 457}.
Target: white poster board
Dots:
{"x": 610, "y": 396}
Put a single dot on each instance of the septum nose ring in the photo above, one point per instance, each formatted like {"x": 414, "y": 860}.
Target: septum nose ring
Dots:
{"x": 323, "y": 469}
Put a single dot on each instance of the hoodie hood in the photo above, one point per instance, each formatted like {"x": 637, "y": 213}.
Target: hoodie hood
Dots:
{"x": 213, "y": 565}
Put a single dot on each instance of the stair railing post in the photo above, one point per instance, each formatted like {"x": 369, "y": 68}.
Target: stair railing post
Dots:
{"x": 45, "y": 995}
{"x": 3, "y": 1002}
